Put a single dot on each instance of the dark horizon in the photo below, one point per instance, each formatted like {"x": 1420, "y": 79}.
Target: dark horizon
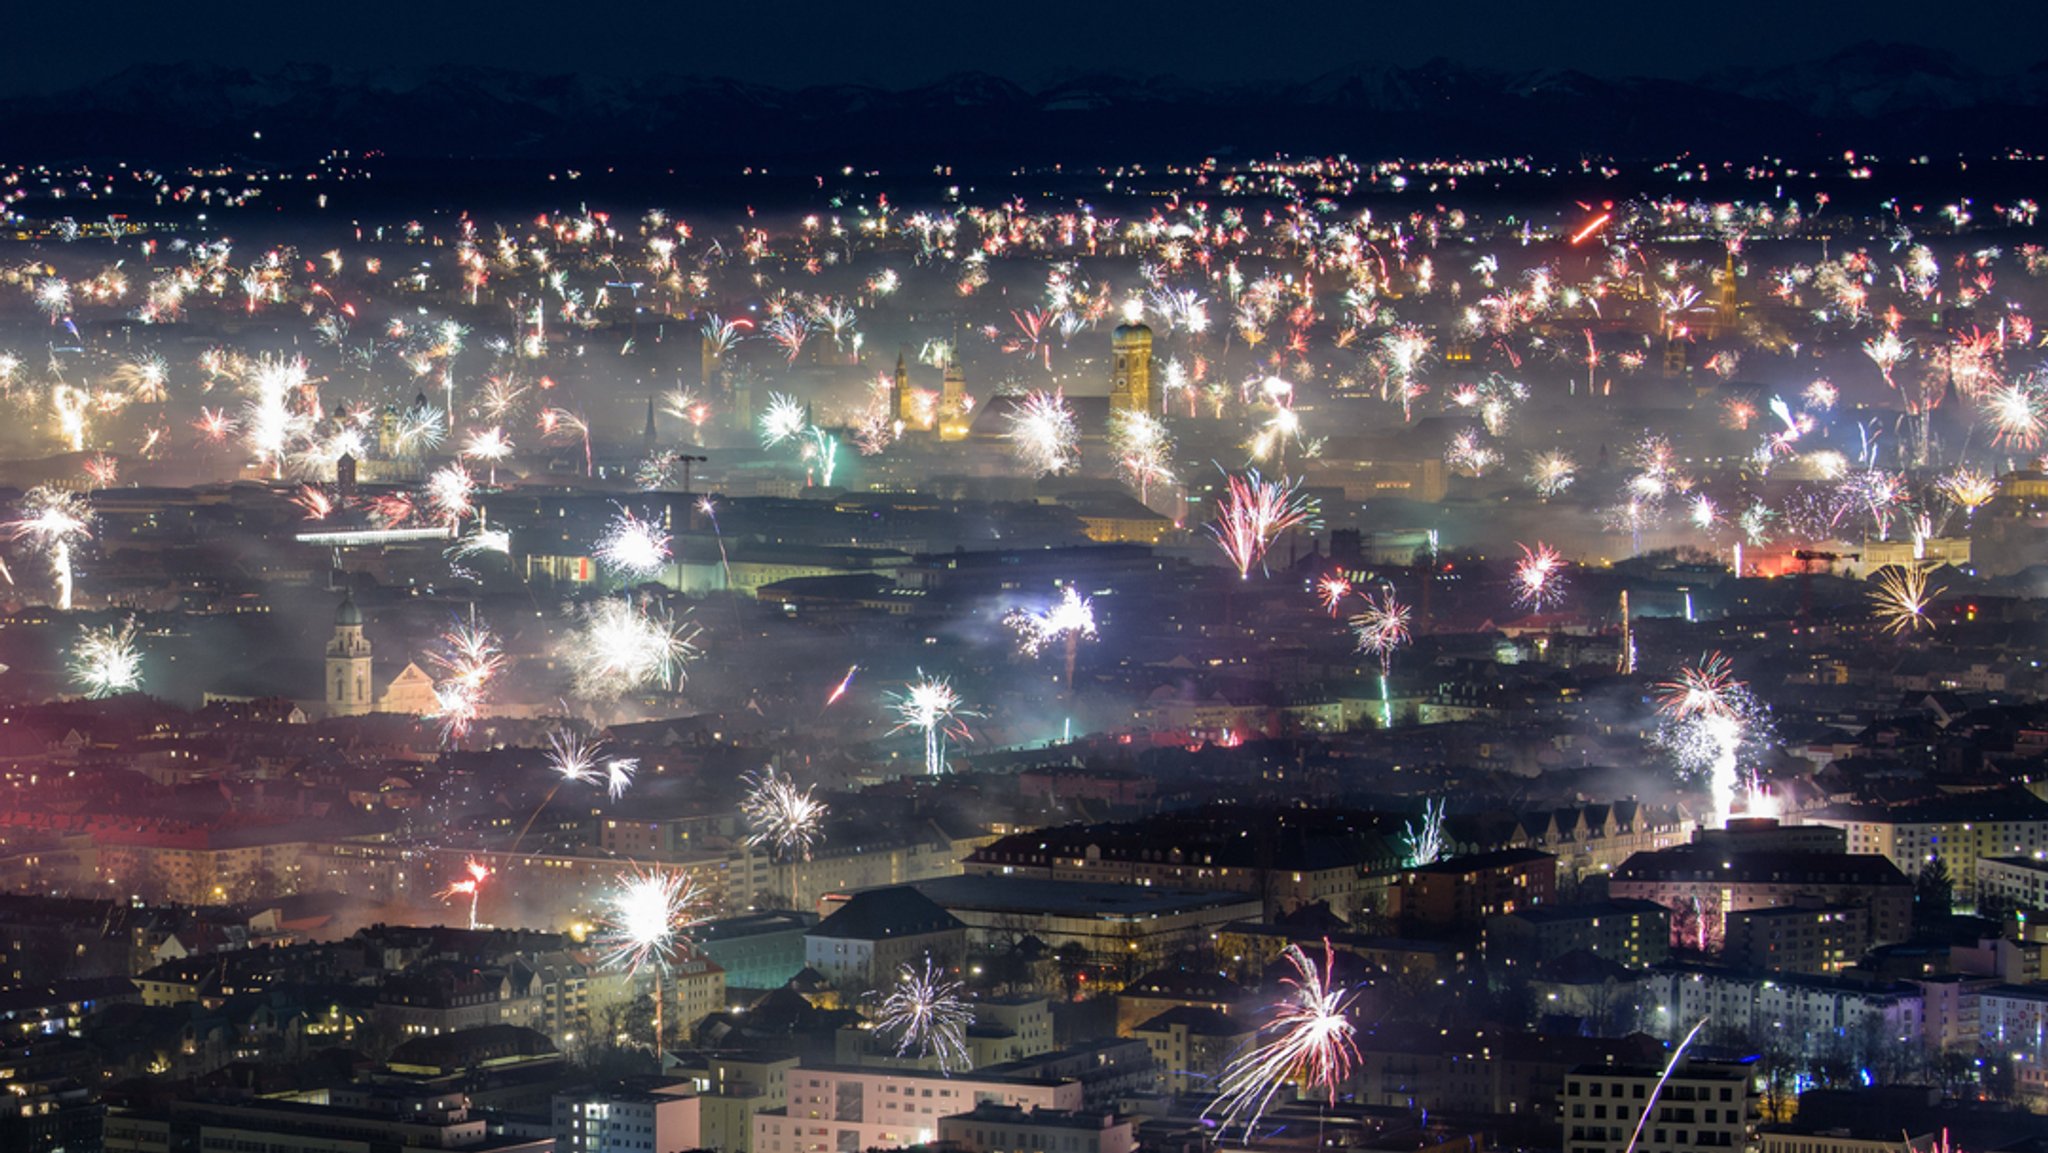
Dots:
{"x": 1198, "y": 42}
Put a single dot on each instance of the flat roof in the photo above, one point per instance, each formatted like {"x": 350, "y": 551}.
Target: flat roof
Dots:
{"x": 1073, "y": 898}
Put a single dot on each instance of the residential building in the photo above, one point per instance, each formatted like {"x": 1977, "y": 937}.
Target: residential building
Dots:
{"x": 989, "y": 1128}
{"x": 1809, "y": 1012}
{"x": 627, "y": 1119}
{"x": 873, "y": 934}
{"x": 1628, "y": 932}
{"x": 1959, "y": 829}
{"x": 731, "y": 1088}
{"x": 1458, "y": 895}
{"x": 1163, "y": 989}
{"x": 369, "y": 1123}
{"x": 1123, "y": 927}
{"x": 837, "y": 1109}
{"x": 1701, "y": 1106}
{"x": 2013, "y": 1019}
{"x": 2018, "y": 882}
{"x": 1702, "y": 885}
{"x": 756, "y": 950}
{"x": 1805, "y": 938}
{"x": 1478, "y": 1072}
{"x": 1191, "y": 1045}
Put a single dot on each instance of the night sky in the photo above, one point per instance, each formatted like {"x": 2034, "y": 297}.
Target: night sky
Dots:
{"x": 54, "y": 47}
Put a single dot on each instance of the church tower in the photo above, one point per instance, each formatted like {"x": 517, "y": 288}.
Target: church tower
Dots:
{"x": 902, "y": 402}
{"x": 1726, "y": 308}
{"x": 348, "y": 663}
{"x": 1130, "y": 373}
{"x": 953, "y": 421}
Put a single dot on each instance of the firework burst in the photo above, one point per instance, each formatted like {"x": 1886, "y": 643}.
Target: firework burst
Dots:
{"x": 1253, "y": 512}
{"x": 467, "y": 657}
{"x": 451, "y": 493}
{"x": 1381, "y": 628}
{"x": 1901, "y": 599}
{"x": 633, "y": 548}
{"x": 1143, "y": 449}
{"x": 619, "y": 647}
{"x": 1539, "y": 577}
{"x": 107, "y": 661}
{"x": 52, "y": 521}
{"x": 782, "y": 817}
{"x": 1311, "y": 1044}
{"x": 931, "y": 706}
{"x": 647, "y": 918}
{"x": 1709, "y": 717}
{"x": 572, "y": 757}
{"x": 784, "y": 419}
{"x": 1043, "y": 432}
{"x": 1551, "y": 473}
{"x": 1331, "y": 591}
{"x": 1067, "y": 621}
{"x": 470, "y": 885}
{"x": 928, "y": 1015}
{"x": 489, "y": 445}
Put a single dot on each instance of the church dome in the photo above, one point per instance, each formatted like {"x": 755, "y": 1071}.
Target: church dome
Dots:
{"x": 1129, "y": 332}
{"x": 348, "y": 615}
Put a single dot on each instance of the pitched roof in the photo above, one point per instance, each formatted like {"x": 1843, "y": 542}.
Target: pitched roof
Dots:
{"x": 876, "y": 914}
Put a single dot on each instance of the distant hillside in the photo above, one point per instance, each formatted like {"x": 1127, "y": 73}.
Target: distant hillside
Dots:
{"x": 1873, "y": 96}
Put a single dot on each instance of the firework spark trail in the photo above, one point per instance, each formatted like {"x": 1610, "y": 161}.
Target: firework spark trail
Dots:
{"x": 1253, "y": 512}
{"x": 573, "y": 759}
{"x": 1658, "y": 1089}
{"x": 931, "y": 706}
{"x": 618, "y": 775}
{"x": 1426, "y": 845}
{"x": 929, "y": 1015}
{"x": 781, "y": 816}
{"x": 470, "y": 886}
{"x": 51, "y": 521}
{"x": 839, "y": 690}
{"x": 1314, "y": 1046}
{"x": 107, "y": 660}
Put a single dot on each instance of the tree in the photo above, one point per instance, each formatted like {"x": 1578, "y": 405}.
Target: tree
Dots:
{"x": 1934, "y": 893}
{"x": 1994, "y": 907}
